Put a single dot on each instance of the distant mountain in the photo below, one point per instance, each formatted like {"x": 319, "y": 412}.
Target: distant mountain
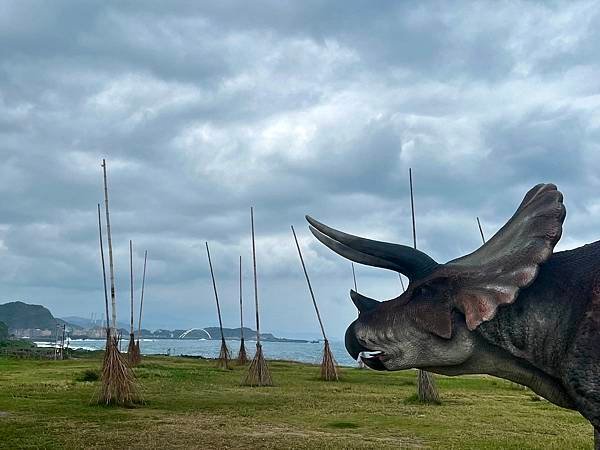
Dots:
{"x": 249, "y": 334}
{"x": 19, "y": 315}
{"x": 82, "y": 322}
{"x": 231, "y": 333}
{"x": 28, "y": 318}
{"x": 214, "y": 333}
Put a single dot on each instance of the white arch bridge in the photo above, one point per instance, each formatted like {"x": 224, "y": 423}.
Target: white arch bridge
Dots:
{"x": 184, "y": 334}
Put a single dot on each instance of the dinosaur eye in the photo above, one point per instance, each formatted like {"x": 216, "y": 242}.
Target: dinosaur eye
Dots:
{"x": 424, "y": 291}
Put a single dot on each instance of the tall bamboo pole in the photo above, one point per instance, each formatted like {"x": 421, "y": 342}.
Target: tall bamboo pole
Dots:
{"x": 255, "y": 280}
{"x": 118, "y": 384}
{"x": 412, "y": 209}
{"x": 328, "y": 365}
{"x": 426, "y": 388}
{"x": 103, "y": 273}
{"x": 215, "y": 289}
{"x": 258, "y": 372}
{"x": 480, "y": 230}
{"x": 55, "y": 346}
{"x": 142, "y": 296}
{"x": 242, "y": 358}
{"x": 131, "y": 283}
{"x": 310, "y": 289}
{"x": 223, "y": 359}
{"x": 354, "y": 278}
{"x": 133, "y": 351}
{"x": 241, "y": 304}
{"x": 401, "y": 283}
{"x": 62, "y": 342}
{"x": 110, "y": 254}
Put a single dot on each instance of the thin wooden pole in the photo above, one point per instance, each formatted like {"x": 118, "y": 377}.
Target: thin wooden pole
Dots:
{"x": 241, "y": 307}
{"x": 131, "y": 282}
{"x": 142, "y": 296}
{"x": 242, "y": 357}
{"x": 56, "y": 341}
{"x": 216, "y": 294}
{"x": 255, "y": 281}
{"x": 103, "y": 270}
{"x": 62, "y": 342}
{"x": 412, "y": 208}
{"x": 480, "y": 230}
{"x": 354, "y": 278}
{"x": 312, "y": 294}
{"x": 401, "y": 283}
{"x": 258, "y": 372}
{"x": 110, "y": 254}
{"x": 426, "y": 387}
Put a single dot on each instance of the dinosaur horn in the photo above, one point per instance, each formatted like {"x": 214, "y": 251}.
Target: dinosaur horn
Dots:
{"x": 399, "y": 258}
{"x": 364, "y": 304}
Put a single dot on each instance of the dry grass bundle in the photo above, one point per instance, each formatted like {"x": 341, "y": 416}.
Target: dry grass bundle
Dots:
{"x": 242, "y": 358}
{"x": 426, "y": 388}
{"x": 328, "y": 365}
{"x": 258, "y": 373}
{"x": 119, "y": 386}
{"x": 224, "y": 356}
{"x": 133, "y": 352}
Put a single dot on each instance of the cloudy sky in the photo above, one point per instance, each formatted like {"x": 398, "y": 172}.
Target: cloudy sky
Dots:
{"x": 203, "y": 109}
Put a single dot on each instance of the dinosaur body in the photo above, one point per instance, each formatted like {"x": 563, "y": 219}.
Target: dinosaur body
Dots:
{"x": 512, "y": 308}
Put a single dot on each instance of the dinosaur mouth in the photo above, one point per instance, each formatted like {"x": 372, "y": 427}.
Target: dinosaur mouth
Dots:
{"x": 373, "y": 360}
{"x": 370, "y": 358}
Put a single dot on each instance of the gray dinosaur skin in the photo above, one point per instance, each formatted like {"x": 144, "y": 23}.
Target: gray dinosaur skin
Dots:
{"x": 549, "y": 340}
{"x": 546, "y": 335}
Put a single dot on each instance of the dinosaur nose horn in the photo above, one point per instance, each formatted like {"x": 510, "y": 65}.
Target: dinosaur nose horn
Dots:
{"x": 364, "y": 304}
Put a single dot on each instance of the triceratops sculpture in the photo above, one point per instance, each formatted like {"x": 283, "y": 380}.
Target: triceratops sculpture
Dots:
{"x": 512, "y": 308}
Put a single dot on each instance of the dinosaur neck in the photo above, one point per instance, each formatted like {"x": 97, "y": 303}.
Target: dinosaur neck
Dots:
{"x": 491, "y": 360}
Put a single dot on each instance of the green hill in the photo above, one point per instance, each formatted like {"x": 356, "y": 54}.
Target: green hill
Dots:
{"x": 17, "y": 315}
{"x": 3, "y": 331}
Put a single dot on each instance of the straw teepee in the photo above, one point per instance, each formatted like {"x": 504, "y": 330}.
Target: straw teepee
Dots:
{"x": 119, "y": 386}
{"x": 426, "y": 388}
{"x": 132, "y": 349}
{"x": 224, "y": 356}
{"x": 137, "y": 344}
{"x": 242, "y": 358}
{"x": 329, "y": 370}
{"x": 258, "y": 372}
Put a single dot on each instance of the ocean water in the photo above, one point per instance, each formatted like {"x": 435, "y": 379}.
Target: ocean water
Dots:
{"x": 292, "y": 351}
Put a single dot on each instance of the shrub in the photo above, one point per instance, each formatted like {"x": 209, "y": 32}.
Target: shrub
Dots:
{"x": 89, "y": 375}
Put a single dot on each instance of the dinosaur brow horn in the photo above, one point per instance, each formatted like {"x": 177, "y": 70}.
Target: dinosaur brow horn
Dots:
{"x": 400, "y": 258}
{"x": 362, "y": 303}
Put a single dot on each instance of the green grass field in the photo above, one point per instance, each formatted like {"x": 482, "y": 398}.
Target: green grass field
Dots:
{"x": 191, "y": 404}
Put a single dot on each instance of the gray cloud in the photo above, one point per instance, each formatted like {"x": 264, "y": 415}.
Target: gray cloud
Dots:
{"x": 203, "y": 109}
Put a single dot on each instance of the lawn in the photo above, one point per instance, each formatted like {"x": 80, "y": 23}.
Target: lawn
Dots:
{"x": 191, "y": 404}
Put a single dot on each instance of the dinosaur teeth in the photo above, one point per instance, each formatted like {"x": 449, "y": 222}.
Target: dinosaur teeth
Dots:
{"x": 369, "y": 355}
